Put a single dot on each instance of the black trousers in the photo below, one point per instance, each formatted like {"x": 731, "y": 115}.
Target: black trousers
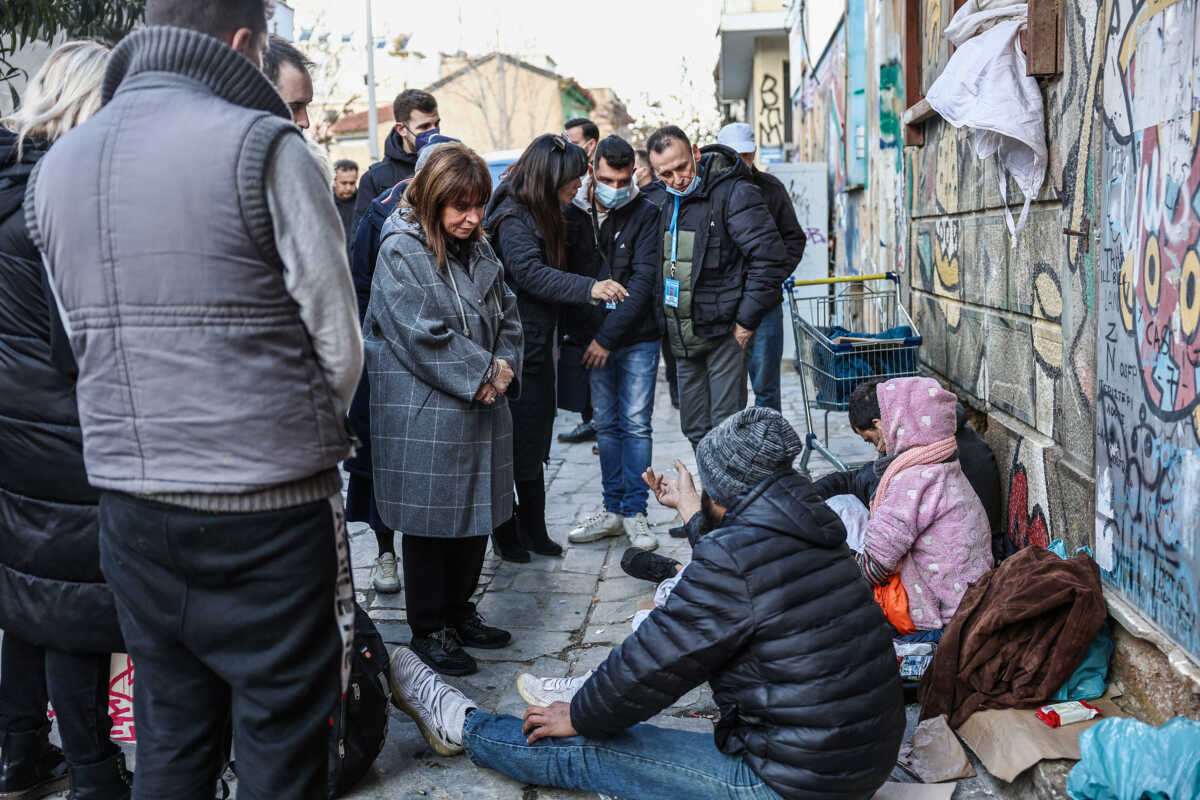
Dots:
{"x": 440, "y": 577}
{"x": 221, "y": 611}
{"x": 77, "y": 686}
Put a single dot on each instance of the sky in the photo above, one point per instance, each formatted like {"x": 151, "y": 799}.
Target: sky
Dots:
{"x": 632, "y": 46}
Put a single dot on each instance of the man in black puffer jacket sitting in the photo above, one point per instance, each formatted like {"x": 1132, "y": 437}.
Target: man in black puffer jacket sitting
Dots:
{"x": 771, "y": 612}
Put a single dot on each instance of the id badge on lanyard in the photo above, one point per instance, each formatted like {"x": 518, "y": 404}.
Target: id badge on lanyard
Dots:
{"x": 671, "y": 284}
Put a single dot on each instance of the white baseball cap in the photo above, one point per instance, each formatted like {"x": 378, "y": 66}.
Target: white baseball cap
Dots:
{"x": 738, "y": 136}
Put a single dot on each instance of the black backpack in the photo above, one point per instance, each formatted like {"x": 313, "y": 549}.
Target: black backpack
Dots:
{"x": 360, "y": 718}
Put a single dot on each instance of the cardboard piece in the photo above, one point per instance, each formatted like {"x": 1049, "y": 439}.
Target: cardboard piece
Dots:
{"x": 915, "y": 791}
{"x": 1009, "y": 741}
{"x": 934, "y": 754}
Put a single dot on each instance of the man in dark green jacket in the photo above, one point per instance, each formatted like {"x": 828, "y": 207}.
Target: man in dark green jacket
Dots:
{"x": 723, "y": 263}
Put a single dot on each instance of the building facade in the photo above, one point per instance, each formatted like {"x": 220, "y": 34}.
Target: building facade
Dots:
{"x": 1077, "y": 340}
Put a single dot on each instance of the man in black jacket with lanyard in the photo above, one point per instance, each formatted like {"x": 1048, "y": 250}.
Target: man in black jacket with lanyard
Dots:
{"x": 771, "y": 613}
{"x": 723, "y": 264}
{"x": 620, "y": 241}
{"x": 767, "y": 355}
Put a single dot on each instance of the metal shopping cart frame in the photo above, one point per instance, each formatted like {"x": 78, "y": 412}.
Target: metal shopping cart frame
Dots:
{"x": 862, "y": 307}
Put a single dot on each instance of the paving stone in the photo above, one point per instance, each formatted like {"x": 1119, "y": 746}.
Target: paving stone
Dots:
{"x": 607, "y": 634}
{"x": 619, "y": 611}
{"x": 564, "y": 612}
{"x": 528, "y": 645}
{"x": 565, "y": 582}
{"x": 586, "y": 658}
{"x": 394, "y": 632}
{"x": 623, "y": 587}
{"x": 693, "y": 724}
{"x": 586, "y": 561}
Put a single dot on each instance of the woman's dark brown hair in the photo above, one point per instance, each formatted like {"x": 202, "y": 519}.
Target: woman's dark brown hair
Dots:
{"x": 453, "y": 174}
{"x": 549, "y": 163}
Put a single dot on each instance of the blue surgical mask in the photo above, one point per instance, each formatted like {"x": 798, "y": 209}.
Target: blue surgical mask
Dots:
{"x": 695, "y": 184}
{"x": 611, "y": 198}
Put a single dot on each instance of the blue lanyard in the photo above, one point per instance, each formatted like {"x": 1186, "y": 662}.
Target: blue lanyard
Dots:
{"x": 674, "y": 236}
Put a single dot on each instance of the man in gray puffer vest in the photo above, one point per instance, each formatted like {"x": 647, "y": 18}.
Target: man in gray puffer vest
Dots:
{"x": 218, "y": 348}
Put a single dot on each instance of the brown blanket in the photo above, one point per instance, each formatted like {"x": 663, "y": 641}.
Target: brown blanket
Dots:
{"x": 1017, "y": 636}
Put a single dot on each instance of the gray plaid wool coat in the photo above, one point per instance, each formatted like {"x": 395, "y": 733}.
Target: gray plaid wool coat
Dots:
{"x": 442, "y": 462}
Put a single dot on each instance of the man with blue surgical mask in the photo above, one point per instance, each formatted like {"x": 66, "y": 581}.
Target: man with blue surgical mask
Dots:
{"x": 619, "y": 240}
{"x": 723, "y": 261}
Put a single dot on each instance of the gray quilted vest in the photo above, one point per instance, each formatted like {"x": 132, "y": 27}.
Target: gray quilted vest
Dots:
{"x": 196, "y": 374}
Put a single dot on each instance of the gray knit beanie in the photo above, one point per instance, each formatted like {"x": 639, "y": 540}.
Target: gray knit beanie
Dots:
{"x": 743, "y": 451}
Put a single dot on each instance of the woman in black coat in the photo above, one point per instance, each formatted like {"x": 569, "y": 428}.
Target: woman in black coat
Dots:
{"x": 528, "y": 231}
{"x": 57, "y": 613}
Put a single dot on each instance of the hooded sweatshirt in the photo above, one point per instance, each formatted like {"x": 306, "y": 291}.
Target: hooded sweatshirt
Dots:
{"x": 397, "y": 165}
{"x": 929, "y": 526}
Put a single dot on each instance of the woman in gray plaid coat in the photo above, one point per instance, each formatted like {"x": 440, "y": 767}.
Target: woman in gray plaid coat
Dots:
{"x": 443, "y": 345}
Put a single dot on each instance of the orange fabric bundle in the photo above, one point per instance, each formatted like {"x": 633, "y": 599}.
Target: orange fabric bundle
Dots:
{"x": 892, "y": 598}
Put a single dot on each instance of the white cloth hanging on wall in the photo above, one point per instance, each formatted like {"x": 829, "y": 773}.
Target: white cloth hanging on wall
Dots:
{"x": 984, "y": 87}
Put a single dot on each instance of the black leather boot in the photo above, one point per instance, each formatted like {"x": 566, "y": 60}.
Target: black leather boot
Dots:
{"x": 31, "y": 767}
{"x": 507, "y": 545}
{"x": 105, "y": 780}
{"x": 531, "y": 519}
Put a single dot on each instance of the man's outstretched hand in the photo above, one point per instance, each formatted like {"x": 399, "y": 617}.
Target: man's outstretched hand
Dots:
{"x": 554, "y": 721}
{"x": 679, "y": 494}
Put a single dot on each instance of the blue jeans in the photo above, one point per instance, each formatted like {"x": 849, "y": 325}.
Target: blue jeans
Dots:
{"x": 623, "y": 400}
{"x": 642, "y": 762}
{"x": 766, "y": 356}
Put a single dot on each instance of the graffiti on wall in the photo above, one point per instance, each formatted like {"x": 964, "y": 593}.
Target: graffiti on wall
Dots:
{"x": 1148, "y": 312}
{"x": 770, "y": 112}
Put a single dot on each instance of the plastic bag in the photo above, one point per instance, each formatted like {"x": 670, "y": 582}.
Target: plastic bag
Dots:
{"x": 1124, "y": 759}
{"x": 1090, "y": 678}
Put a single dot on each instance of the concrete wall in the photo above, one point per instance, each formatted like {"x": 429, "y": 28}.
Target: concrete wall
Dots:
{"x": 1148, "y": 410}
{"x": 868, "y": 216}
{"x": 765, "y": 107}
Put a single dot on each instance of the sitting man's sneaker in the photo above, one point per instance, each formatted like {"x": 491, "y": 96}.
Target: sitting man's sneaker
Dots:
{"x": 584, "y": 432}
{"x": 647, "y": 566}
{"x": 544, "y": 691}
{"x": 437, "y": 707}
{"x": 386, "y": 580}
{"x": 443, "y": 651}
{"x": 598, "y": 526}
{"x": 475, "y": 633}
{"x": 638, "y": 531}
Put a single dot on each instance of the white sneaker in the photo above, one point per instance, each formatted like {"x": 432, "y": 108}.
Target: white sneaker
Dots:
{"x": 597, "y": 526}
{"x": 544, "y": 691}
{"x": 437, "y": 707}
{"x": 385, "y": 579}
{"x": 638, "y": 530}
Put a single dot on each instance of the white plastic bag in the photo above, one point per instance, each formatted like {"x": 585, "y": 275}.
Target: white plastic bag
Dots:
{"x": 984, "y": 87}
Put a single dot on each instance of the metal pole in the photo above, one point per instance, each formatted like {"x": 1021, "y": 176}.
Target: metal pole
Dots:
{"x": 372, "y": 121}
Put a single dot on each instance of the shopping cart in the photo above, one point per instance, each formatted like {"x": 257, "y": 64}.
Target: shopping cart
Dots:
{"x": 855, "y": 330}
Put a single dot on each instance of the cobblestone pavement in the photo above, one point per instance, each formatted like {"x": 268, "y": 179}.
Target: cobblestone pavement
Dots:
{"x": 566, "y": 614}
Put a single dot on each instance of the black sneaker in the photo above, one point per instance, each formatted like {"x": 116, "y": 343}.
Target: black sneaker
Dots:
{"x": 678, "y": 532}
{"x": 639, "y": 563}
{"x": 584, "y": 432}
{"x": 443, "y": 653}
{"x": 475, "y": 633}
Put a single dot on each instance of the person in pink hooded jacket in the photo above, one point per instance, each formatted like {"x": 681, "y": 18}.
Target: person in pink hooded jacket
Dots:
{"x": 927, "y": 524}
